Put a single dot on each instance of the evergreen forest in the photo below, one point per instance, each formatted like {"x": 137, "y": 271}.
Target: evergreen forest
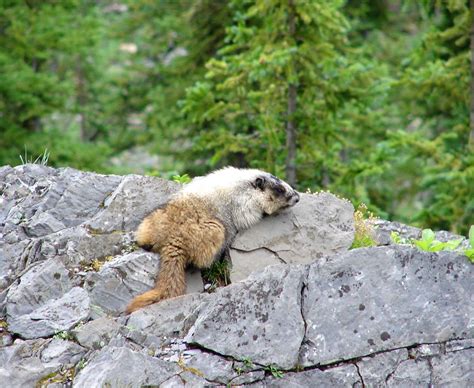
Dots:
{"x": 369, "y": 99}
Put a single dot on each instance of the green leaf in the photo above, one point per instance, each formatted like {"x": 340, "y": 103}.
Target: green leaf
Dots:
{"x": 427, "y": 235}
{"x": 423, "y": 245}
{"x": 453, "y": 244}
{"x": 471, "y": 236}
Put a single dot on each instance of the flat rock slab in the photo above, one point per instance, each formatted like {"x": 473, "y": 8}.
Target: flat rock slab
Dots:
{"x": 319, "y": 225}
{"x": 113, "y": 287}
{"x": 170, "y": 318}
{"x": 122, "y": 367}
{"x": 370, "y": 300}
{"x": 342, "y": 376}
{"x": 25, "y": 363}
{"x": 55, "y": 316}
{"x": 259, "y": 318}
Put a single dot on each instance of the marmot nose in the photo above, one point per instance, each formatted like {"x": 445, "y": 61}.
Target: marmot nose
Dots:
{"x": 295, "y": 197}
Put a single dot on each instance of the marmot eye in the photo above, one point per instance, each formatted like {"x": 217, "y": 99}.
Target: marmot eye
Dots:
{"x": 259, "y": 183}
{"x": 280, "y": 190}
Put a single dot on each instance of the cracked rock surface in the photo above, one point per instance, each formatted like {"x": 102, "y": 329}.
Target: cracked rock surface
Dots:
{"x": 386, "y": 316}
{"x": 320, "y": 225}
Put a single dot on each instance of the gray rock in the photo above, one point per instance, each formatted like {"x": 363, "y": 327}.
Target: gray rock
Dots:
{"x": 193, "y": 380}
{"x": 55, "y": 316}
{"x": 173, "y": 382}
{"x": 319, "y": 225}
{"x": 343, "y": 376}
{"x": 62, "y": 353}
{"x": 383, "y": 230}
{"x": 375, "y": 370}
{"x": 410, "y": 373}
{"x": 454, "y": 370}
{"x": 118, "y": 281}
{"x": 369, "y": 300}
{"x": 97, "y": 333}
{"x": 259, "y": 318}
{"x": 211, "y": 366}
{"x": 248, "y": 378}
{"x": 20, "y": 364}
{"x": 44, "y": 282}
{"x": 169, "y": 318}
{"x": 453, "y": 346}
{"x": 119, "y": 367}
{"x": 25, "y": 363}
{"x": 134, "y": 198}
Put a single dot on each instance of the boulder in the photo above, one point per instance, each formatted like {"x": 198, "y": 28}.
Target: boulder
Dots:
{"x": 321, "y": 316}
{"x": 319, "y": 225}
{"x": 373, "y": 299}
{"x": 121, "y": 367}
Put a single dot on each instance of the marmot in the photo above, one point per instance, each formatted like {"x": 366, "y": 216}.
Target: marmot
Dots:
{"x": 200, "y": 222}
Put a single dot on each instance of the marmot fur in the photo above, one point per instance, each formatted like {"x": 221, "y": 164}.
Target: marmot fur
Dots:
{"x": 199, "y": 223}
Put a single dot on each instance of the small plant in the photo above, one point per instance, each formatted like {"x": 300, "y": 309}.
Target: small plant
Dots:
{"x": 248, "y": 364}
{"x": 182, "y": 178}
{"x": 81, "y": 364}
{"x": 217, "y": 274}
{"x": 273, "y": 369}
{"x": 429, "y": 243}
{"x": 469, "y": 252}
{"x": 64, "y": 335}
{"x": 182, "y": 364}
{"x": 397, "y": 239}
{"x": 364, "y": 228}
{"x": 41, "y": 159}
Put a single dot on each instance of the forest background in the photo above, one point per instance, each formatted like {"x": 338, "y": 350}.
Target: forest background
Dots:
{"x": 370, "y": 99}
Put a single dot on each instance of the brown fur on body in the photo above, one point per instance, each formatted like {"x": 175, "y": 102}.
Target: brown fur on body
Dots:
{"x": 184, "y": 232}
{"x": 199, "y": 223}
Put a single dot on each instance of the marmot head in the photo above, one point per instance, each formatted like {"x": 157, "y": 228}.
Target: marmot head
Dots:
{"x": 243, "y": 196}
{"x": 274, "y": 194}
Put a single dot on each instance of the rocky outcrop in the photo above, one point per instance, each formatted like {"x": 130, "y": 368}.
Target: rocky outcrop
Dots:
{"x": 384, "y": 316}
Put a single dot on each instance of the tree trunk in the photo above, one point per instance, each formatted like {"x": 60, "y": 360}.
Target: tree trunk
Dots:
{"x": 81, "y": 96}
{"x": 471, "y": 135}
{"x": 291, "y": 125}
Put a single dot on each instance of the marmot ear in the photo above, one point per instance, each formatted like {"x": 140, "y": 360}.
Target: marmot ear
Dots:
{"x": 259, "y": 183}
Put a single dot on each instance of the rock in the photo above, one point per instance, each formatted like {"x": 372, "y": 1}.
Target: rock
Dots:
{"x": 119, "y": 367}
{"x": 343, "y": 376}
{"x": 62, "y": 353}
{"x": 410, "y": 373}
{"x": 375, "y": 370}
{"x": 375, "y": 299}
{"x": 55, "y": 316}
{"x": 20, "y": 364}
{"x": 24, "y": 363}
{"x": 44, "y": 282}
{"x": 211, "y": 366}
{"x": 319, "y": 225}
{"x": 169, "y": 319}
{"x": 368, "y": 317}
{"x": 383, "y": 230}
{"x": 119, "y": 280}
{"x": 97, "y": 333}
{"x": 126, "y": 207}
{"x": 259, "y": 318}
{"x": 454, "y": 370}
{"x": 248, "y": 378}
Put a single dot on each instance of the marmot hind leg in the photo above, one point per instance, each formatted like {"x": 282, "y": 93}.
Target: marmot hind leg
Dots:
{"x": 170, "y": 282}
{"x": 202, "y": 248}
